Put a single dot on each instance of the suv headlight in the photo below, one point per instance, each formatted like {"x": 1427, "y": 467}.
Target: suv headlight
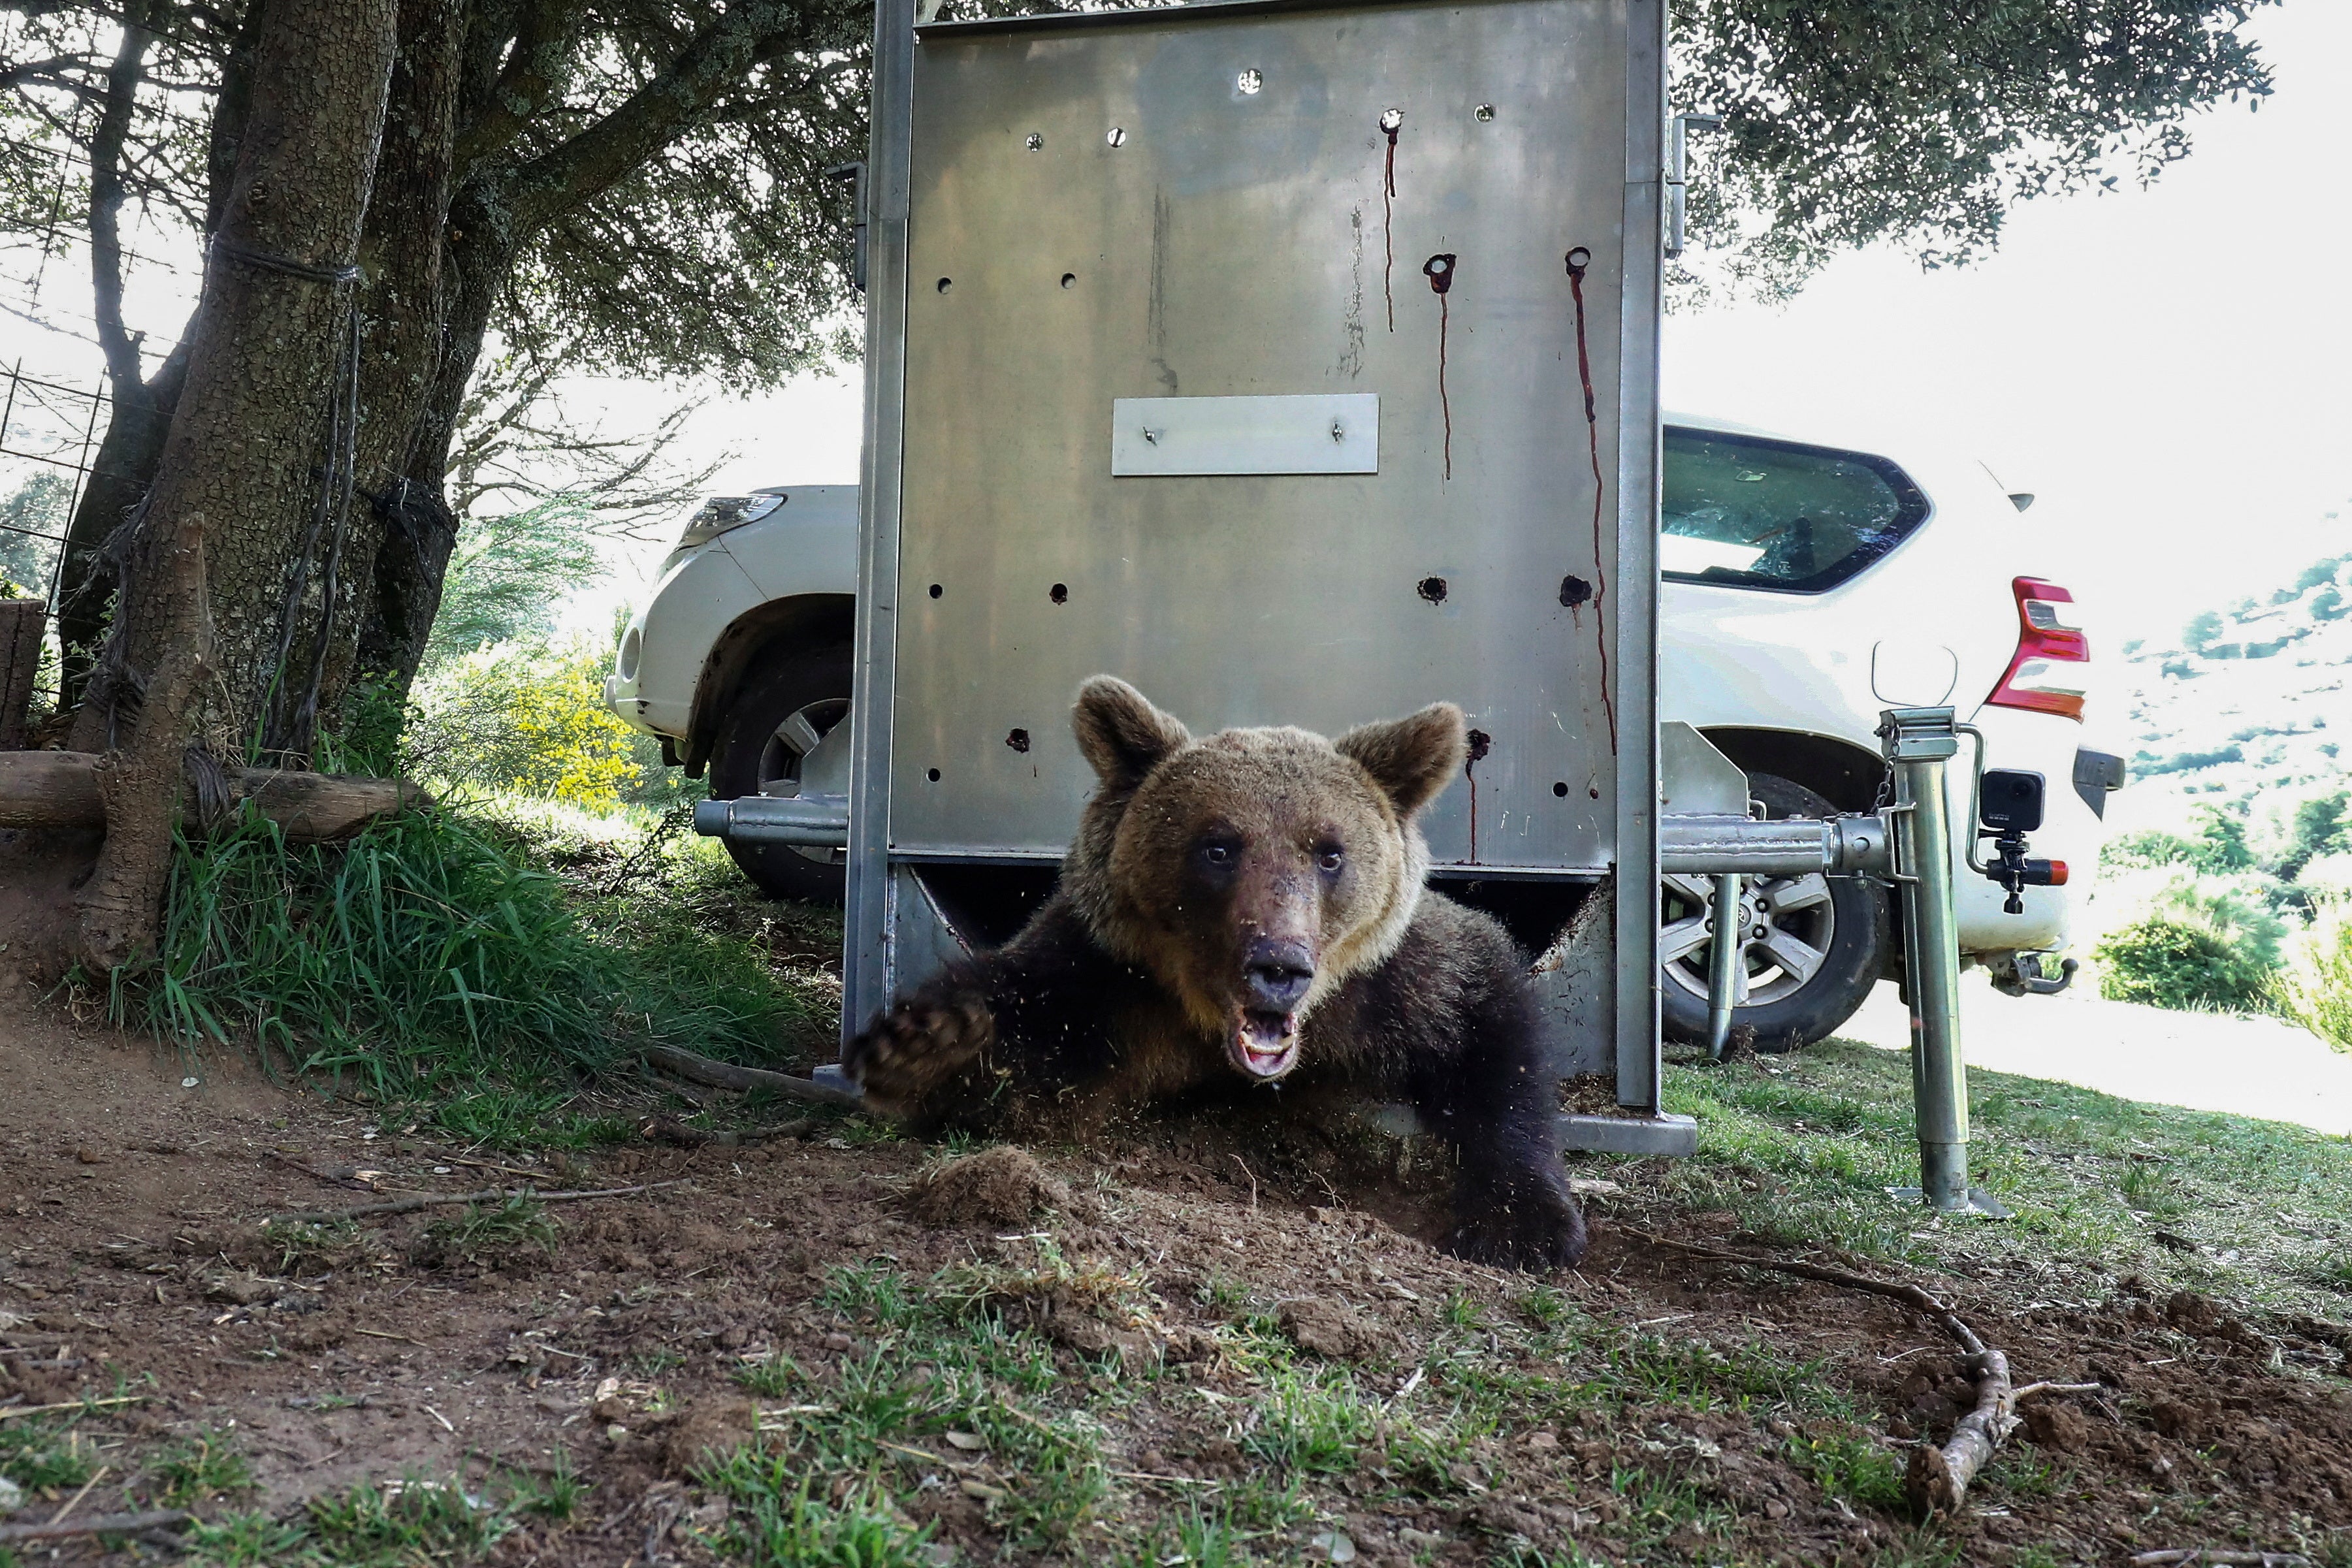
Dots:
{"x": 720, "y": 513}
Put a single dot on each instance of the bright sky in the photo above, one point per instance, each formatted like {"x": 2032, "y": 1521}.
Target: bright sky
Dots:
{"x": 2169, "y": 371}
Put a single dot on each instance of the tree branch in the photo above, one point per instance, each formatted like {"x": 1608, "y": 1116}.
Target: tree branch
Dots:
{"x": 652, "y": 117}
{"x": 106, "y": 196}
{"x": 537, "y": 66}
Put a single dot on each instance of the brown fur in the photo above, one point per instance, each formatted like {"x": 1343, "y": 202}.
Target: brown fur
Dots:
{"x": 1210, "y": 876}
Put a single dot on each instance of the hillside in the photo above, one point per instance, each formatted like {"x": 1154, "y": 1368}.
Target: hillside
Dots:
{"x": 2245, "y": 703}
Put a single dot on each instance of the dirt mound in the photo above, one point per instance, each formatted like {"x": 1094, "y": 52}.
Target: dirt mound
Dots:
{"x": 1002, "y": 1185}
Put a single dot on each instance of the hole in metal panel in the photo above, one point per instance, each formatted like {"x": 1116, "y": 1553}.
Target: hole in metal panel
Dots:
{"x": 1249, "y": 81}
{"x": 946, "y": 284}
{"x": 1018, "y": 740}
{"x": 1117, "y": 137}
{"x": 1432, "y": 589}
{"x": 937, "y": 589}
{"x": 1482, "y": 114}
{"x": 1033, "y": 142}
{"x": 1059, "y": 593}
{"x": 1390, "y": 119}
{"x": 1579, "y": 259}
{"x": 1560, "y": 788}
{"x": 1068, "y": 279}
{"x": 933, "y": 775}
{"x": 1574, "y": 591}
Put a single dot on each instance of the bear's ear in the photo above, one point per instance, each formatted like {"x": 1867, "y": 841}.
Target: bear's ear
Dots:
{"x": 1121, "y": 734}
{"x": 1412, "y": 758}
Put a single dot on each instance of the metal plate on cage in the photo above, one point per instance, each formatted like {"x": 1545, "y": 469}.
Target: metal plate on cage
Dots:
{"x": 1329, "y": 433}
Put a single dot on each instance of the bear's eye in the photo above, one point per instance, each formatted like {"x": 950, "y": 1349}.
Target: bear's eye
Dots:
{"x": 1330, "y": 857}
{"x": 1218, "y": 855}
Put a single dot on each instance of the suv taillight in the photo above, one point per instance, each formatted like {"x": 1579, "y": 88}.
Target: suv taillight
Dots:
{"x": 2048, "y": 673}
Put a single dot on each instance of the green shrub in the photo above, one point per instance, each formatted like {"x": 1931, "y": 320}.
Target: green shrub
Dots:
{"x": 525, "y": 717}
{"x": 2172, "y": 959}
{"x": 2220, "y": 845}
{"x": 2316, "y": 987}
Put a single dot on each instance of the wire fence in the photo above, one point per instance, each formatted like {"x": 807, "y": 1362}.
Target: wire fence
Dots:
{"x": 48, "y": 440}
{"x": 52, "y": 419}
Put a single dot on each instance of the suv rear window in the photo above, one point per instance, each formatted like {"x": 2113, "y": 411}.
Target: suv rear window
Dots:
{"x": 1741, "y": 511}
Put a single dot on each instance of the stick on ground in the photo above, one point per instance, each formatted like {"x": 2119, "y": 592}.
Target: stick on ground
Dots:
{"x": 13, "y": 1411}
{"x": 1938, "y": 1480}
{"x": 99, "y": 1524}
{"x": 2207, "y": 1554}
{"x": 727, "y": 1075}
{"x": 488, "y": 1194}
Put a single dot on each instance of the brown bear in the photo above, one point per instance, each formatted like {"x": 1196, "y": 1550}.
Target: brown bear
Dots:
{"x": 1252, "y": 903}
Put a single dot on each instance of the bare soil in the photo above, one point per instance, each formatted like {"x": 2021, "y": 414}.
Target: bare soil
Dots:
{"x": 134, "y": 1263}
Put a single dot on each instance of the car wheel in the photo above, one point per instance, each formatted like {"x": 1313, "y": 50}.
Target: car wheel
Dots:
{"x": 1813, "y": 947}
{"x": 787, "y": 734}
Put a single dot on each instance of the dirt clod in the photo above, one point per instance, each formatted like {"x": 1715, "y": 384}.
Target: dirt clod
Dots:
{"x": 716, "y": 1424}
{"x": 243, "y": 1290}
{"x": 2055, "y": 1427}
{"x": 1002, "y": 1185}
{"x": 2188, "y": 1309}
{"x": 1330, "y": 1329}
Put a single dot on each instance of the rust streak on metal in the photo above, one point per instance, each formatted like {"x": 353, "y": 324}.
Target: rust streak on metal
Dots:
{"x": 1578, "y": 260}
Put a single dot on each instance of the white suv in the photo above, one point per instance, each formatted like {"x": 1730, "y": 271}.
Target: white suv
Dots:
{"x": 1807, "y": 587}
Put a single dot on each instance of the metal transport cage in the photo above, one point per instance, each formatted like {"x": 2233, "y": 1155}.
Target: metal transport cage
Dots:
{"x": 1296, "y": 362}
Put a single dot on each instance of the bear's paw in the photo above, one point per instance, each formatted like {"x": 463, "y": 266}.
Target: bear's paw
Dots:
{"x": 915, "y": 1048}
{"x": 1535, "y": 1232}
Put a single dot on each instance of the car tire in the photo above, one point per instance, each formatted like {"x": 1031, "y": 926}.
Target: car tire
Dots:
{"x": 787, "y": 705}
{"x": 1824, "y": 945}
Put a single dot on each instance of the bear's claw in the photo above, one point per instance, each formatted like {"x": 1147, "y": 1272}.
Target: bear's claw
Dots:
{"x": 915, "y": 1048}
{"x": 1535, "y": 1232}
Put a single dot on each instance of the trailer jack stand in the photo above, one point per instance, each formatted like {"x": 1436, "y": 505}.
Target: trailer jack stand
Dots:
{"x": 1917, "y": 742}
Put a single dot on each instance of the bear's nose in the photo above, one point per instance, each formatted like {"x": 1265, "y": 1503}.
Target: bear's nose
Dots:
{"x": 1278, "y": 974}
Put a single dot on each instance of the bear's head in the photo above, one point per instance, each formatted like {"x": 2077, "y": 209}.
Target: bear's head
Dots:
{"x": 1252, "y": 871}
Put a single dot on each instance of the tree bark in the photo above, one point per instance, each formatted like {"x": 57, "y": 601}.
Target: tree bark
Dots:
{"x": 193, "y": 655}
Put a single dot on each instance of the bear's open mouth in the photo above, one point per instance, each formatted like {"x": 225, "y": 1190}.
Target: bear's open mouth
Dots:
{"x": 1265, "y": 1044}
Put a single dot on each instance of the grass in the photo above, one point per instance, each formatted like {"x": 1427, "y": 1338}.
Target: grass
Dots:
{"x": 439, "y": 957}
{"x": 200, "y": 1469}
{"x": 1849, "y": 1465}
{"x": 44, "y": 1453}
{"x": 513, "y": 1231}
{"x": 1803, "y": 1149}
{"x": 400, "y": 1525}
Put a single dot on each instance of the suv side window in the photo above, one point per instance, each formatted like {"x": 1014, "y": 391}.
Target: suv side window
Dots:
{"x": 1741, "y": 511}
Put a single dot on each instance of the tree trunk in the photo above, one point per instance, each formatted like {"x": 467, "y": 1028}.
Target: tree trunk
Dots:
{"x": 402, "y": 253}
{"x": 139, "y": 412}
{"x": 138, "y": 418}
{"x": 193, "y": 655}
{"x": 407, "y": 591}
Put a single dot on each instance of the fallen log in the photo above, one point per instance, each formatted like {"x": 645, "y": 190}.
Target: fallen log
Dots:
{"x": 59, "y": 789}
